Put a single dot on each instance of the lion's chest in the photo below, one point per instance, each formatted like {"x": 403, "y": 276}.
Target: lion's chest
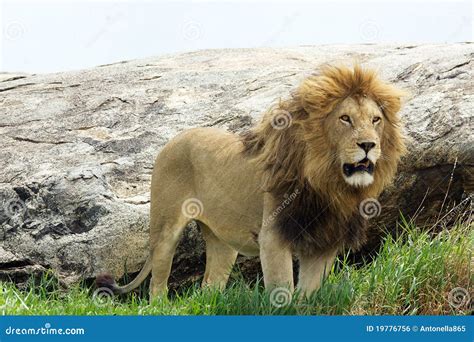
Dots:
{"x": 311, "y": 225}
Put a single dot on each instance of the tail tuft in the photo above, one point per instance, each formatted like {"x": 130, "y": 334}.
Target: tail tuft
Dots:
{"x": 108, "y": 282}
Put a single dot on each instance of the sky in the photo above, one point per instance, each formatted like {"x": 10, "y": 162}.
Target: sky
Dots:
{"x": 52, "y": 36}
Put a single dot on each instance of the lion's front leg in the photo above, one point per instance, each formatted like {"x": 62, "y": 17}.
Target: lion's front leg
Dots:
{"x": 312, "y": 271}
{"x": 275, "y": 253}
{"x": 277, "y": 263}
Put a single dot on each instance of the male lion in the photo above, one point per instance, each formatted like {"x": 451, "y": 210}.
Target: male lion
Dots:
{"x": 290, "y": 185}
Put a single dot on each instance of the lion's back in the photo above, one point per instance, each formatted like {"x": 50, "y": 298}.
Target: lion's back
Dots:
{"x": 199, "y": 150}
{"x": 196, "y": 142}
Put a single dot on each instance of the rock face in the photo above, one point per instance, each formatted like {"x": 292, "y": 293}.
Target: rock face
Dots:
{"x": 77, "y": 148}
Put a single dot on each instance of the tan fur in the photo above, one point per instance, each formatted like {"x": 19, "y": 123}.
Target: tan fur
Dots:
{"x": 239, "y": 183}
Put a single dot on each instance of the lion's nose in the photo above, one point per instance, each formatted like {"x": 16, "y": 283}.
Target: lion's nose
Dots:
{"x": 366, "y": 146}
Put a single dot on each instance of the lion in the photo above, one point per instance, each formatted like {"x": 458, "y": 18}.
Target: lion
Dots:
{"x": 289, "y": 186}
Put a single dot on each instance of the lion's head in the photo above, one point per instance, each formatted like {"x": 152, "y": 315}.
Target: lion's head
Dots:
{"x": 339, "y": 132}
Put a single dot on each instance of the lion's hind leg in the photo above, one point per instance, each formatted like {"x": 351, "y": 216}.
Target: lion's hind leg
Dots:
{"x": 220, "y": 258}
{"x": 163, "y": 246}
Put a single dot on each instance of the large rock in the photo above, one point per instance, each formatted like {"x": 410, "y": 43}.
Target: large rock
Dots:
{"x": 77, "y": 148}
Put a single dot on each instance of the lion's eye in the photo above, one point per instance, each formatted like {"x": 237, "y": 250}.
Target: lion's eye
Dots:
{"x": 376, "y": 120}
{"x": 345, "y": 118}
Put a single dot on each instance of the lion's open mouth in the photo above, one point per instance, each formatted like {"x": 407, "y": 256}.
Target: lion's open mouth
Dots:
{"x": 365, "y": 165}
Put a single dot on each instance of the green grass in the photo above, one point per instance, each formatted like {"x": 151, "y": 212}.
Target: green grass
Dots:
{"x": 411, "y": 275}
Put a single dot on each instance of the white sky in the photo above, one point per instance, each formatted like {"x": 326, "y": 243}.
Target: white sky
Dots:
{"x": 49, "y": 36}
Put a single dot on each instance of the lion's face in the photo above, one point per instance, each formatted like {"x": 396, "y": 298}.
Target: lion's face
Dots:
{"x": 355, "y": 130}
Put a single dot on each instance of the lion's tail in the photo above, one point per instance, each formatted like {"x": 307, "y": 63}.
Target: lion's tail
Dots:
{"x": 107, "y": 281}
